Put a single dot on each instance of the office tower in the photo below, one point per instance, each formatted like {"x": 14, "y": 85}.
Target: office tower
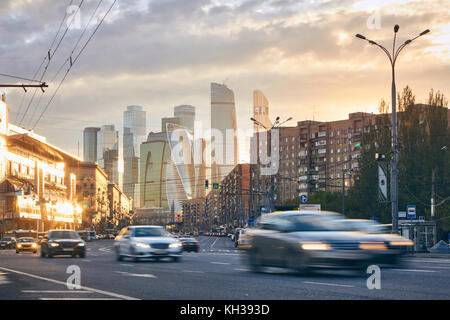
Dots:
{"x": 90, "y": 144}
{"x": 166, "y": 120}
{"x": 108, "y": 152}
{"x": 134, "y": 129}
{"x": 224, "y": 148}
{"x": 260, "y": 111}
{"x": 186, "y": 114}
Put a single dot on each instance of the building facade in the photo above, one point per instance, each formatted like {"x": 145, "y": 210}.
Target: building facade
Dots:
{"x": 90, "y": 143}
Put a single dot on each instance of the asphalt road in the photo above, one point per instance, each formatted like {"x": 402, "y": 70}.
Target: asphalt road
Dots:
{"x": 216, "y": 272}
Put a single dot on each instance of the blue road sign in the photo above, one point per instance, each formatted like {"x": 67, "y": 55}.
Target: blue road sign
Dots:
{"x": 251, "y": 222}
{"x": 215, "y": 186}
{"x": 303, "y": 198}
{"x": 411, "y": 212}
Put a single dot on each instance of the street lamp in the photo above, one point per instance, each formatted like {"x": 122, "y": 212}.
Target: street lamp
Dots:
{"x": 394, "y": 173}
{"x": 276, "y": 124}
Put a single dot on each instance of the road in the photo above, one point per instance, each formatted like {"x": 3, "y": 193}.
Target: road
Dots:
{"x": 217, "y": 272}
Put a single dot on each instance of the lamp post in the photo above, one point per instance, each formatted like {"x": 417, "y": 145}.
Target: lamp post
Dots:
{"x": 394, "y": 171}
{"x": 276, "y": 124}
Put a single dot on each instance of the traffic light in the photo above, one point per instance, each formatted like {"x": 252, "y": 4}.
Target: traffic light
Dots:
{"x": 206, "y": 184}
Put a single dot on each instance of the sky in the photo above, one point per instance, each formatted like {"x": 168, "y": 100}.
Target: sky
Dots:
{"x": 161, "y": 53}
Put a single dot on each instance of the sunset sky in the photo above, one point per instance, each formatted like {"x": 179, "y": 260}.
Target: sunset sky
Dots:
{"x": 302, "y": 54}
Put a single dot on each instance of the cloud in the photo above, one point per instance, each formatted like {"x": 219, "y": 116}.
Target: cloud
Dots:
{"x": 163, "y": 53}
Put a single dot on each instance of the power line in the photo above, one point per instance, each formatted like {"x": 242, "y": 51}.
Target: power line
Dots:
{"x": 73, "y": 62}
{"x": 20, "y": 78}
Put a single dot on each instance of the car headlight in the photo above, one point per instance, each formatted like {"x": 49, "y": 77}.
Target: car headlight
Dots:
{"x": 19, "y": 246}
{"x": 315, "y": 246}
{"x": 81, "y": 244}
{"x": 34, "y": 245}
{"x": 372, "y": 246}
{"x": 175, "y": 245}
{"x": 402, "y": 243}
{"x": 142, "y": 245}
{"x": 54, "y": 244}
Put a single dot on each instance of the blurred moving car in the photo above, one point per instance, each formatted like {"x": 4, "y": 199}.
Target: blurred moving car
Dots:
{"x": 26, "y": 244}
{"x": 146, "y": 242}
{"x": 8, "y": 243}
{"x": 243, "y": 239}
{"x": 307, "y": 240}
{"x": 189, "y": 244}
{"x": 63, "y": 242}
{"x": 87, "y": 235}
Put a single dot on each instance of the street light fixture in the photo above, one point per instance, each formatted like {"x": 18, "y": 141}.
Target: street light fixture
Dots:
{"x": 394, "y": 173}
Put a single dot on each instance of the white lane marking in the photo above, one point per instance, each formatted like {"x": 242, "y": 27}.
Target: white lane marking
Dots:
{"x": 213, "y": 243}
{"x": 56, "y": 291}
{"x": 106, "y": 249}
{"x": 106, "y": 293}
{"x": 413, "y": 270}
{"x": 214, "y": 262}
{"x": 142, "y": 275}
{"x": 430, "y": 260}
{"x": 85, "y": 260}
{"x": 329, "y": 284}
{"x": 126, "y": 265}
{"x": 241, "y": 269}
{"x": 77, "y": 299}
{"x": 432, "y": 267}
{"x": 193, "y": 271}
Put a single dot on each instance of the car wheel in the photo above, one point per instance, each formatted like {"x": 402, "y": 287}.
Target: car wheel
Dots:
{"x": 83, "y": 255}
{"x": 297, "y": 262}
{"x": 17, "y": 251}
{"x": 34, "y": 252}
{"x": 176, "y": 259}
{"x": 49, "y": 255}
{"x": 255, "y": 261}
{"x": 42, "y": 253}
{"x": 119, "y": 257}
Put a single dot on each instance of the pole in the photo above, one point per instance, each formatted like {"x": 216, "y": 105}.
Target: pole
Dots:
{"x": 433, "y": 177}
{"x": 343, "y": 191}
{"x": 394, "y": 176}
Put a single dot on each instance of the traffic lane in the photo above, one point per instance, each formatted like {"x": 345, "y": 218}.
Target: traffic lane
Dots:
{"x": 198, "y": 271}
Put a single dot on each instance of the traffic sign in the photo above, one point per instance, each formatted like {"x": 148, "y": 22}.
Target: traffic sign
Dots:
{"x": 411, "y": 212}
{"x": 216, "y": 186}
{"x": 303, "y": 198}
{"x": 402, "y": 214}
{"x": 251, "y": 222}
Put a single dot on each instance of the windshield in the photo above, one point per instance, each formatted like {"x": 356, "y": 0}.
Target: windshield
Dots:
{"x": 26, "y": 240}
{"x": 150, "y": 232}
{"x": 63, "y": 235}
{"x": 6, "y": 239}
{"x": 315, "y": 223}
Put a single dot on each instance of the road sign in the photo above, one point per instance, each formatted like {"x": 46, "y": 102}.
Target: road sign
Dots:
{"x": 411, "y": 212}
{"x": 402, "y": 214}
{"x": 382, "y": 182}
{"x": 303, "y": 198}
{"x": 216, "y": 186}
{"x": 251, "y": 222}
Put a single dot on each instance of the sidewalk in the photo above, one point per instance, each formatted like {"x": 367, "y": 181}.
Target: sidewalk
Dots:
{"x": 429, "y": 255}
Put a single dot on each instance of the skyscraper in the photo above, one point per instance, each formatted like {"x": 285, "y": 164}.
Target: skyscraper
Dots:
{"x": 260, "y": 111}
{"x": 108, "y": 152}
{"x": 186, "y": 113}
{"x": 134, "y": 130}
{"x": 90, "y": 144}
{"x": 224, "y": 146}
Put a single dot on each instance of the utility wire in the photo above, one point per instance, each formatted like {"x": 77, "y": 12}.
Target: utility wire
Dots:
{"x": 73, "y": 62}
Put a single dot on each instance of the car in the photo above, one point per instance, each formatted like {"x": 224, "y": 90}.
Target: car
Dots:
{"x": 306, "y": 241}
{"x": 63, "y": 242}
{"x": 189, "y": 244}
{"x": 147, "y": 241}
{"x": 368, "y": 226}
{"x": 243, "y": 239}
{"x": 26, "y": 244}
{"x": 8, "y": 243}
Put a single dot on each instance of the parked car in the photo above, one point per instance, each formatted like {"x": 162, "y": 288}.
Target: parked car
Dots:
{"x": 26, "y": 244}
{"x": 63, "y": 242}
{"x": 308, "y": 240}
{"x": 189, "y": 244}
{"x": 8, "y": 243}
{"x": 147, "y": 242}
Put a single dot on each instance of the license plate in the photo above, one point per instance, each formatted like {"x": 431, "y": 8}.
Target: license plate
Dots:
{"x": 159, "y": 251}
{"x": 67, "y": 249}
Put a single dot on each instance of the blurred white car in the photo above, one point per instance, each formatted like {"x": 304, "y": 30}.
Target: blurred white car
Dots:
{"x": 147, "y": 242}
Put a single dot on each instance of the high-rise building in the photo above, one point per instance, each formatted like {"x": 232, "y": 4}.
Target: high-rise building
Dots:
{"x": 90, "y": 144}
{"x": 224, "y": 146}
{"x": 108, "y": 151}
{"x": 260, "y": 111}
{"x": 134, "y": 131}
{"x": 186, "y": 114}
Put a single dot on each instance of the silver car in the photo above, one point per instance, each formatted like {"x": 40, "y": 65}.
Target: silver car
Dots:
{"x": 310, "y": 240}
{"x": 147, "y": 242}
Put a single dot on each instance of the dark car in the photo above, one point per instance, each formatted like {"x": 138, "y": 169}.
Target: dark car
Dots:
{"x": 26, "y": 244}
{"x": 189, "y": 244}
{"x": 8, "y": 243}
{"x": 63, "y": 242}
{"x": 308, "y": 240}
